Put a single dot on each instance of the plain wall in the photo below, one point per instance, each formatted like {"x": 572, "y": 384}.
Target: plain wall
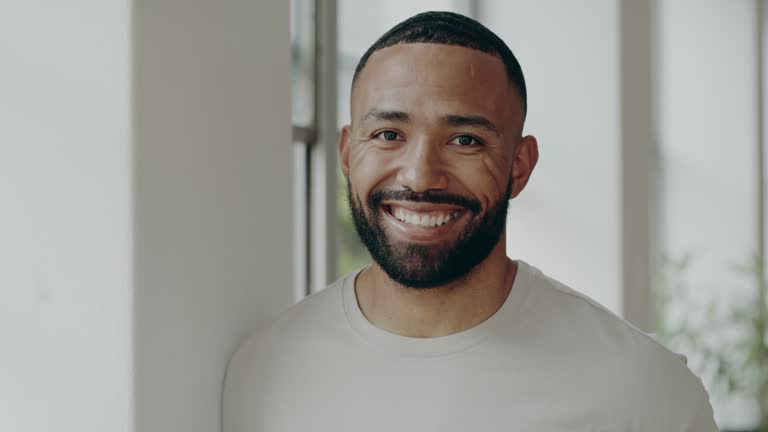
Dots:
{"x": 213, "y": 186}
{"x": 65, "y": 216}
{"x": 145, "y": 219}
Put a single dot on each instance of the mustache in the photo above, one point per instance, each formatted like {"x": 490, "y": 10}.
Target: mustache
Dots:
{"x": 434, "y": 197}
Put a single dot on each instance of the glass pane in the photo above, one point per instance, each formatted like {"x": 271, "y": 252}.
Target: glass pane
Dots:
{"x": 302, "y": 56}
{"x": 300, "y": 220}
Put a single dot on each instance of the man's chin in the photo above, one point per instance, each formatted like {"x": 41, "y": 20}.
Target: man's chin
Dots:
{"x": 418, "y": 278}
{"x": 425, "y": 248}
{"x": 416, "y": 266}
{"x": 420, "y": 259}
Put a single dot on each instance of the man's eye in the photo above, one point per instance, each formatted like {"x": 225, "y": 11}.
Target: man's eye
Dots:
{"x": 466, "y": 140}
{"x": 387, "y": 135}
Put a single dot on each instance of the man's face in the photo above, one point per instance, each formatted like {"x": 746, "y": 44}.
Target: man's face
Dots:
{"x": 429, "y": 159}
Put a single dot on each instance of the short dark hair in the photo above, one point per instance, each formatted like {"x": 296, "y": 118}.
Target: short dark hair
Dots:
{"x": 448, "y": 28}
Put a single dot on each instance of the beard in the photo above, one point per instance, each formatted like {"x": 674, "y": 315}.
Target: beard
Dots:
{"x": 429, "y": 266}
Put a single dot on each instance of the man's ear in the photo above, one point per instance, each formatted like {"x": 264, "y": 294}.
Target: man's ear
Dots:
{"x": 344, "y": 143}
{"x": 523, "y": 163}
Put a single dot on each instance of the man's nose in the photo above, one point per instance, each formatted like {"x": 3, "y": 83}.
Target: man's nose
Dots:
{"x": 422, "y": 166}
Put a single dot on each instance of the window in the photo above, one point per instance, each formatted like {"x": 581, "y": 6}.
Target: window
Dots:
{"x": 302, "y": 28}
{"x": 710, "y": 197}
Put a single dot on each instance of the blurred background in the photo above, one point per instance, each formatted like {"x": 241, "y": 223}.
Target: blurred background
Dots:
{"x": 169, "y": 183}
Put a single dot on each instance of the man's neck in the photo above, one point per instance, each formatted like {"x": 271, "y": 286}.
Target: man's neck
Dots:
{"x": 439, "y": 311}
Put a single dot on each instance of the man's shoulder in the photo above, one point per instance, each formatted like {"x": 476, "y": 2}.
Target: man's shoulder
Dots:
{"x": 313, "y": 311}
{"x": 299, "y": 325}
{"x": 285, "y": 344}
{"x": 622, "y": 352}
{"x": 592, "y": 348}
{"x": 577, "y": 315}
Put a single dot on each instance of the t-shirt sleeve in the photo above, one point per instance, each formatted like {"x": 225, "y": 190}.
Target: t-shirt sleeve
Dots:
{"x": 234, "y": 410}
{"x": 241, "y": 384}
{"x": 703, "y": 419}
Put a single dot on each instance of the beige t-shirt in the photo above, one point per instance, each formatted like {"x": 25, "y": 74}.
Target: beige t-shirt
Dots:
{"x": 550, "y": 359}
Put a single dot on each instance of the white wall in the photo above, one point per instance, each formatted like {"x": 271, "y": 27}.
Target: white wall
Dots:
{"x": 212, "y": 194}
{"x": 145, "y": 184}
{"x": 568, "y": 220}
{"x": 65, "y": 216}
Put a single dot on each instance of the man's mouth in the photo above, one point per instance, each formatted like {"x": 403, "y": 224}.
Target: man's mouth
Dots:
{"x": 424, "y": 217}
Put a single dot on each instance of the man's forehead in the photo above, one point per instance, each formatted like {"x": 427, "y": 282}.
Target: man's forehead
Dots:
{"x": 404, "y": 75}
{"x": 421, "y": 62}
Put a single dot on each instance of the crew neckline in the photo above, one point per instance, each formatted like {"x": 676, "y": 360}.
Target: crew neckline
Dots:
{"x": 441, "y": 345}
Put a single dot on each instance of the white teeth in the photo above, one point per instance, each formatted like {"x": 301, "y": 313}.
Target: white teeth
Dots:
{"x": 422, "y": 220}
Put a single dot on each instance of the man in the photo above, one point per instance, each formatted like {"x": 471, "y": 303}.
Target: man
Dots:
{"x": 443, "y": 332}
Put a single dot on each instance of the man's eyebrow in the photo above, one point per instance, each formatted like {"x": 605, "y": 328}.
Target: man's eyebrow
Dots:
{"x": 397, "y": 116}
{"x": 471, "y": 120}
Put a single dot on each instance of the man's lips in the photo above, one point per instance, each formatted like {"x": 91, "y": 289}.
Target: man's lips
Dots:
{"x": 421, "y": 222}
{"x": 423, "y": 214}
{"x": 421, "y": 227}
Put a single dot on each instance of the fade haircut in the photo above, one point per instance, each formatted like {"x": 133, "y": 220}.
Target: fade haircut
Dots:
{"x": 448, "y": 28}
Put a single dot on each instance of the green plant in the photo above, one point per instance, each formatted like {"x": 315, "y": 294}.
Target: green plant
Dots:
{"x": 727, "y": 344}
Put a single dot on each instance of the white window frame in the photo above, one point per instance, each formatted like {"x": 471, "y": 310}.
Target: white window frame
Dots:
{"x": 315, "y": 191}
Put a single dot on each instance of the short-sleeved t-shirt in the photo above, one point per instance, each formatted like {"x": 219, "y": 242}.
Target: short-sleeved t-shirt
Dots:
{"x": 550, "y": 359}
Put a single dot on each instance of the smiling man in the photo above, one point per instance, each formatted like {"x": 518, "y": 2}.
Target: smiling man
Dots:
{"x": 443, "y": 332}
